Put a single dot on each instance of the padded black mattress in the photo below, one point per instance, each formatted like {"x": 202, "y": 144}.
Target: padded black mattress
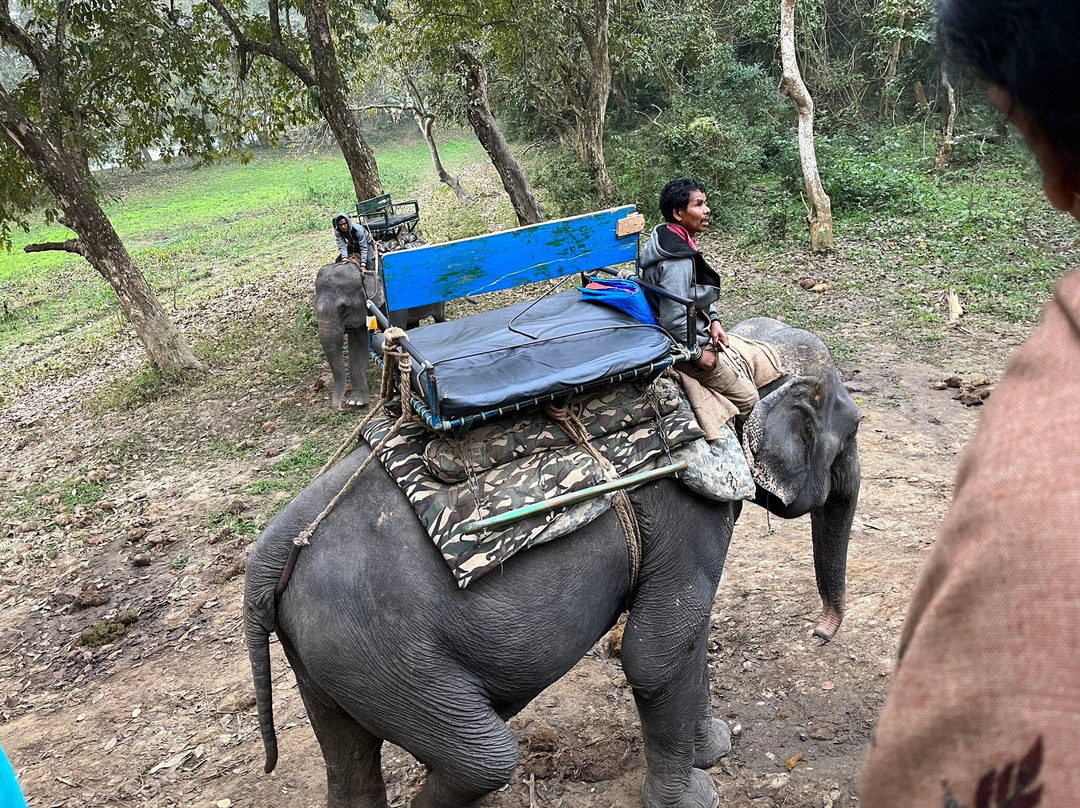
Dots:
{"x": 500, "y": 358}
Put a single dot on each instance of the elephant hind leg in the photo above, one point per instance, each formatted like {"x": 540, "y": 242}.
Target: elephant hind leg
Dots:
{"x": 353, "y": 756}
{"x": 463, "y": 768}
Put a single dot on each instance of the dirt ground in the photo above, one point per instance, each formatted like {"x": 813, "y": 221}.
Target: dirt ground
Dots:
{"x": 164, "y": 716}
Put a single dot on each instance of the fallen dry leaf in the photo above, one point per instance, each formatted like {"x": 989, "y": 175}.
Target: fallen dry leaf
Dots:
{"x": 793, "y": 761}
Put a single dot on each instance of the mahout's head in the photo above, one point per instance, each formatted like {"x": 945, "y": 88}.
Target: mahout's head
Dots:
{"x": 683, "y": 202}
{"x": 1029, "y": 51}
{"x": 341, "y": 222}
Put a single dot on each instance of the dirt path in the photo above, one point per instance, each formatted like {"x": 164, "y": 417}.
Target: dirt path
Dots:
{"x": 138, "y": 511}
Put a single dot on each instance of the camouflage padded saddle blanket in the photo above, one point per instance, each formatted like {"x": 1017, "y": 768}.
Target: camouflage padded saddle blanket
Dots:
{"x": 452, "y": 480}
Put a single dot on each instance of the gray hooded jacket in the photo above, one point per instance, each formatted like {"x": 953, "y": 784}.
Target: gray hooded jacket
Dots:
{"x": 670, "y": 263}
{"x": 357, "y": 240}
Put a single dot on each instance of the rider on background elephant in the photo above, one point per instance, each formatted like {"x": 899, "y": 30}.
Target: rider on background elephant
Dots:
{"x": 353, "y": 239}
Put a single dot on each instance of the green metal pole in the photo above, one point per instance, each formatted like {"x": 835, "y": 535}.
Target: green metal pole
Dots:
{"x": 518, "y": 514}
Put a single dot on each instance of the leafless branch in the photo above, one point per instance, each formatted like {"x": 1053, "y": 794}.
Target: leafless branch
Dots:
{"x": 72, "y": 245}
{"x": 655, "y": 121}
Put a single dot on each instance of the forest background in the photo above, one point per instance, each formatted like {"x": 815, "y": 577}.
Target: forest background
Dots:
{"x": 603, "y": 100}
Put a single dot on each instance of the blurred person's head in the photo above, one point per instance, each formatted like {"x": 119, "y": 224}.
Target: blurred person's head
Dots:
{"x": 1029, "y": 51}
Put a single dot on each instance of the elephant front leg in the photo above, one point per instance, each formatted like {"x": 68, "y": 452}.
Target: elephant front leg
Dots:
{"x": 333, "y": 345}
{"x": 712, "y": 736}
{"x": 358, "y": 364}
{"x": 681, "y": 738}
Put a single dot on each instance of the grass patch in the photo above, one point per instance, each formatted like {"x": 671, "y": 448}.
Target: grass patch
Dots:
{"x": 191, "y": 232}
{"x": 293, "y": 471}
{"x": 131, "y": 391}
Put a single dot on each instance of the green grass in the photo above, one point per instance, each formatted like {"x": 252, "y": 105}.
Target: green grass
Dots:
{"x": 294, "y": 470}
{"x": 191, "y": 232}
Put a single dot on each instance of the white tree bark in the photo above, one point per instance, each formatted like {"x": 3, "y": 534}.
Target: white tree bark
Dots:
{"x": 948, "y": 122}
{"x": 819, "y": 220}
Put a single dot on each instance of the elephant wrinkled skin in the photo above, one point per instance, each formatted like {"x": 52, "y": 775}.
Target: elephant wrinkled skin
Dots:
{"x": 384, "y": 645}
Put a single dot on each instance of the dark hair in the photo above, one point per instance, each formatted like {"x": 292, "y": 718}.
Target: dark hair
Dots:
{"x": 1030, "y": 48}
{"x": 676, "y": 196}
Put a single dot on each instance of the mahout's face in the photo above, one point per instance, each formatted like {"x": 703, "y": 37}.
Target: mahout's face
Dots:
{"x": 695, "y": 219}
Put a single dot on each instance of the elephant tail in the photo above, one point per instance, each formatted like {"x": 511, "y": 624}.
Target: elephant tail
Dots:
{"x": 260, "y": 616}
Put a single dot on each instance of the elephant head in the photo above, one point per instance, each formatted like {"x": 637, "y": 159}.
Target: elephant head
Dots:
{"x": 800, "y": 441}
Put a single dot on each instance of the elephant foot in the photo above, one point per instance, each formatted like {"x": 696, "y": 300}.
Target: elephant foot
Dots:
{"x": 698, "y": 793}
{"x": 711, "y": 744}
{"x": 357, "y": 403}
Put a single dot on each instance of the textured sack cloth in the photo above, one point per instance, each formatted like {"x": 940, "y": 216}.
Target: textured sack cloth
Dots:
{"x": 984, "y": 708}
{"x": 444, "y": 509}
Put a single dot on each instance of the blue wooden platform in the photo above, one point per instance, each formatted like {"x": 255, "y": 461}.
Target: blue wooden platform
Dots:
{"x": 495, "y": 261}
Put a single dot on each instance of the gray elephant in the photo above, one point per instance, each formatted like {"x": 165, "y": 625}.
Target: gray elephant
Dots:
{"x": 384, "y": 645}
{"x": 341, "y": 294}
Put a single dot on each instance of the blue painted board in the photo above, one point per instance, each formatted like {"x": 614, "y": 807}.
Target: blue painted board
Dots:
{"x": 488, "y": 263}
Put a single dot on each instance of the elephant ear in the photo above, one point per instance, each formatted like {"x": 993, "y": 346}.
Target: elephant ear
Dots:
{"x": 779, "y": 436}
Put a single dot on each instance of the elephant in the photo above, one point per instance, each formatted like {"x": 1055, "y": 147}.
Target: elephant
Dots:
{"x": 385, "y": 646}
{"x": 341, "y": 294}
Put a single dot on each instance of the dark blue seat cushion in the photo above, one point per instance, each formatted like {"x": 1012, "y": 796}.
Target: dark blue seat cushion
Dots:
{"x": 500, "y": 358}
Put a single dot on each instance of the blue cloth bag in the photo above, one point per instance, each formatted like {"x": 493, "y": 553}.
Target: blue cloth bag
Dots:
{"x": 620, "y": 294}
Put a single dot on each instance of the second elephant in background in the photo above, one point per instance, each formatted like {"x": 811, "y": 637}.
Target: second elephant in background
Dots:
{"x": 342, "y": 290}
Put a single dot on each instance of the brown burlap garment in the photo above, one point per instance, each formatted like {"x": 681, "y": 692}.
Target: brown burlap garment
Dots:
{"x": 985, "y": 702}
{"x": 755, "y": 359}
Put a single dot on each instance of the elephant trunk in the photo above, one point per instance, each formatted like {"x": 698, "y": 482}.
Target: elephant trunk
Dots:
{"x": 830, "y": 526}
{"x": 332, "y": 339}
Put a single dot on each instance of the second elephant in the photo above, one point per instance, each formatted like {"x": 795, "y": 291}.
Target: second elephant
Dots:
{"x": 341, "y": 294}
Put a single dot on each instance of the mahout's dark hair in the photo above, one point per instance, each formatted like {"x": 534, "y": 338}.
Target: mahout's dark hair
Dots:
{"x": 676, "y": 196}
{"x": 1030, "y": 48}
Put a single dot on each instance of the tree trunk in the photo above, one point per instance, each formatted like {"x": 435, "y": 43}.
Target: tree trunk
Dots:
{"x": 819, "y": 219}
{"x": 948, "y": 120}
{"x": 426, "y": 122}
{"x": 335, "y": 106}
{"x": 890, "y": 70}
{"x": 326, "y": 79}
{"x": 525, "y": 204}
{"x": 591, "y": 127}
{"x": 98, "y": 242}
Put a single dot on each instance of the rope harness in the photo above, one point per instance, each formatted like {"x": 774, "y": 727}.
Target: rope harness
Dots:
{"x": 393, "y": 359}
{"x": 624, "y": 509}
{"x": 396, "y": 359}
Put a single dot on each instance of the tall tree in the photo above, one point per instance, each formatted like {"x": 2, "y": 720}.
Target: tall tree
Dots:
{"x": 403, "y": 71}
{"x": 555, "y": 55}
{"x": 425, "y": 120}
{"x": 314, "y": 61}
{"x": 487, "y": 130}
{"x": 819, "y": 218}
{"x": 563, "y": 54}
{"x": 104, "y": 79}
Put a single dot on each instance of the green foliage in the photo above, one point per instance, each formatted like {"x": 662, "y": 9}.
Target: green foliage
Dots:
{"x": 868, "y": 181}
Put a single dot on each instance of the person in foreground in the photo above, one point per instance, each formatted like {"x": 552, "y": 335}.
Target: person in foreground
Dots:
{"x": 354, "y": 241}
{"x": 984, "y": 710}
{"x": 671, "y": 261}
